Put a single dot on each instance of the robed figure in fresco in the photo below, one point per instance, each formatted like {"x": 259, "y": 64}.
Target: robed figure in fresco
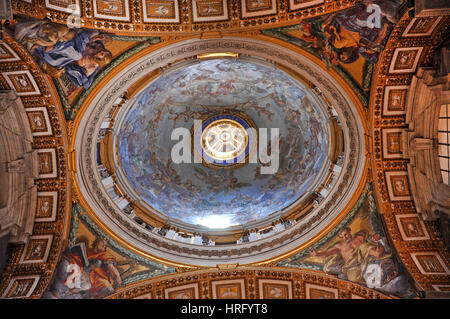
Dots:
{"x": 342, "y": 252}
{"x": 342, "y": 37}
{"x": 35, "y": 33}
{"x": 80, "y": 58}
{"x": 365, "y": 259}
{"x": 361, "y": 30}
{"x": 86, "y": 272}
{"x": 78, "y": 53}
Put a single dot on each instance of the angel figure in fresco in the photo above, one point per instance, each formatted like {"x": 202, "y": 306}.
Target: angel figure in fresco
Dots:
{"x": 208, "y": 177}
{"x": 86, "y": 272}
{"x": 233, "y": 183}
{"x": 186, "y": 115}
{"x": 189, "y": 186}
{"x": 263, "y": 110}
{"x": 218, "y": 182}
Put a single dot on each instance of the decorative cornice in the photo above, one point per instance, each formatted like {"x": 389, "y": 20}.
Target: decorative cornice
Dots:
{"x": 294, "y": 284}
{"x": 136, "y": 22}
{"x": 393, "y": 207}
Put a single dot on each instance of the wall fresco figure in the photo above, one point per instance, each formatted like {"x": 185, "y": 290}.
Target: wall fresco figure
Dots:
{"x": 85, "y": 272}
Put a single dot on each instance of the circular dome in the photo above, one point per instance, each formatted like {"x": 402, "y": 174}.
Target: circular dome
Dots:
{"x": 224, "y": 94}
{"x": 147, "y": 110}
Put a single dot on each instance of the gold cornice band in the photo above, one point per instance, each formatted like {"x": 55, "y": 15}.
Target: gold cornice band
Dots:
{"x": 156, "y": 287}
{"x": 135, "y": 23}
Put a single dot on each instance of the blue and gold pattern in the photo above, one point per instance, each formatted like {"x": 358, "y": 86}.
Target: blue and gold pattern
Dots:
{"x": 238, "y": 128}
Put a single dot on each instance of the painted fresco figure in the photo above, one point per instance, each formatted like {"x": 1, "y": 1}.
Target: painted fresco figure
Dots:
{"x": 83, "y": 71}
{"x": 371, "y": 263}
{"x": 366, "y": 252}
{"x": 63, "y": 53}
{"x": 80, "y": 58}
{"x": 34, "y": 33}
{"x": 351, "y": 34}
{"x": 341, "y": 254}
{"x": 78, "y": 53}
{"x": 77, "y": 277}
{"x": 103, "y": 275}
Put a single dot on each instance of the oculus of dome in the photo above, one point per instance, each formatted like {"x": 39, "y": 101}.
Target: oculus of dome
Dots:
{"x": 225, "y": 140}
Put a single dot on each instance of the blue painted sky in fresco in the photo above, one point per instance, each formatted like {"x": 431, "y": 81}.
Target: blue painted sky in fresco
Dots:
{"x": 192, "y": 192}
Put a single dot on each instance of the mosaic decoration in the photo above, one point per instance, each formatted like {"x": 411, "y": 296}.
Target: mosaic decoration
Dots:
{"x": 68, "y": 6}
{"x": 47, "y": 163}
{"x": 356, "y": 250}
{"x": 76, "y": 59}
{"x": 190, "y": 191}
{"x": 46, "y": 206}
{"x": 345, "y": 41}
{"x": 397, "y": 183}
{"x": 392, "y": 147}
{"x": 430, "y": 263}
{"x": 229, "y": 289}
{"x": 275, "y": 289}
{"x": 395, "y": 100}
{"x": 320, "y": 292}
{"x": 22, "y": 82}
{"x": 209, "y": 10}
{"x": 37, "y": 249}
{"x": 93, "y": 265}
{"x": 181, "y": 292}
{"x": 412, "y": 227}
{"x": 39, "y": 121}
{"x": 7, "y": 54}
{"x": 161, "y": 11}
{"x": 21, "y": 287}
{"x": 421, "y": 27}
{"x": 403, "y": 55}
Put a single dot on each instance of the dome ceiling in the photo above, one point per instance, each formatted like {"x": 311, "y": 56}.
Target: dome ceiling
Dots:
{"x": 355, "y": 183}
{"x": 129, "y": 179}
{"x": 196, "y": 193}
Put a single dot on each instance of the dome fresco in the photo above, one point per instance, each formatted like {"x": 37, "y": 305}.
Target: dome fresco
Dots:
{"x": 198, "y": 194}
